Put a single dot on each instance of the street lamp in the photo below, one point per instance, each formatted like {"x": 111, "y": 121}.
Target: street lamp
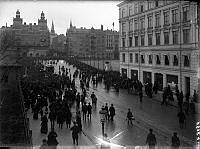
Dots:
{"x": 102, "y": 114}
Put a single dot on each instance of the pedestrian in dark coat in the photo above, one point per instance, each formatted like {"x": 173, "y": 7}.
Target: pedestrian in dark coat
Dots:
{"x": 60, "y": 119}
{"x": 68, "y": 118}
{"x": 151, "y": 139}
{"x": 78, "y": 120}
{"x": 129, "y": 117}
{"x": 175, "y": 141}
{"x": 44, "y": 125}
{"x": 140, "y": 96}
{"x": 35, "y": 112}
{"x": 78, "y": 100}
{"x": 75, "y": 131}
{"x": 94, "y": 99}
{"x": 52, "y": 141}
{"x": 52, "y": 117}
{"x": 89, "y": 111}
{"x": 112, "y": 112}
{"x": 84, "y": 110}
{"x": 180, "y": 100}
{"x": 182, "y": 118}
{"x": 44, "y": 144}
{"x": 107, "y": 111}
{"x": 164, "y": 101}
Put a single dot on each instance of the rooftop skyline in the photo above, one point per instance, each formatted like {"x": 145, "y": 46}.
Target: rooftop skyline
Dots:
{"x": 86, "y": 14}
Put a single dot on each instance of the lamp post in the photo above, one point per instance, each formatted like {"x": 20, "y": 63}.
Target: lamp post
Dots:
{"x": 102, "y": 114}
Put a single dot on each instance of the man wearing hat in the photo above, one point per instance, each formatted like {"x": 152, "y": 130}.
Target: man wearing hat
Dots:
{"x": 75, "y": 131}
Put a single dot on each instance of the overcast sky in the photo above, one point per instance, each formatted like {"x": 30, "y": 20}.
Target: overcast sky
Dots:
{"x": 82, "y": 13}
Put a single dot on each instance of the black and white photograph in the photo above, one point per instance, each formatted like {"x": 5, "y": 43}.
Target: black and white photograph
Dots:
{"x": 86, "y": 74}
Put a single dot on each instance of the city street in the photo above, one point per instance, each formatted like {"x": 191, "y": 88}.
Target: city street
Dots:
{"x": 148, "y": 114}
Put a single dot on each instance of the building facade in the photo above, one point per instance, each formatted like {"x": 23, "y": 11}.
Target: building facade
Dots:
{"x": 92, "y": 43}
{"x": 59, "y": 45}
{"x": 31, "y": 39}
{"x": 158, "y": 42}
{"x": 112, "y": 44}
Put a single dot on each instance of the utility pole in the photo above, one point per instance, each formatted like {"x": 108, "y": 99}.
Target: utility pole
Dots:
{"x": 180, "y": 47}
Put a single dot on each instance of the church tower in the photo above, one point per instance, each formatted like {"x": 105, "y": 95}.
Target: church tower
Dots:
{"x": 42, "y": 22}
{"x": 71, "y": 24}
{"x": 52, "y": 34}
{"x": 17, "y": 22}
{"x": 52, "y": 28}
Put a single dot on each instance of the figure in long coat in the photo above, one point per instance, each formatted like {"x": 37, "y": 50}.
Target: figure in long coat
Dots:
{"x": 44, "y": 125}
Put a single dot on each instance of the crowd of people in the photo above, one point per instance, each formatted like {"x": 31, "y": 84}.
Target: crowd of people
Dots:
{"x": 52, "y": 96}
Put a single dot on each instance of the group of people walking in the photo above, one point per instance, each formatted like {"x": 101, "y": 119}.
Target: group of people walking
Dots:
{"x": 53, "y": 96}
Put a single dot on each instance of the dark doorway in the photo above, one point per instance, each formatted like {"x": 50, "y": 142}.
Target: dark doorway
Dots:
{"x": 158, "y": 77}
{"x": 146, "y": 77}
{"x": 124, "y": 72}
{"x": 134, "y": 74}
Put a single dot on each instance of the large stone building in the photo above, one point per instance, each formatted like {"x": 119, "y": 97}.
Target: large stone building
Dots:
{"x": 159, "y": 42}
{"x": 31, "y": 39}
{"x": 92, "y": 43}
{"x": 59, "y": 45}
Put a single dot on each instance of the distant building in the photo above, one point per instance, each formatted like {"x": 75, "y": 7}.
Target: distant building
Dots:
{"x": 151, "y": 49}
{"x": 32, "y": 39}
{"x": 59, "y": 45}
{"x": 92, "y": 43}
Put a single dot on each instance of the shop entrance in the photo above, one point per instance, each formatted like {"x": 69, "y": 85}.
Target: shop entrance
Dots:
{"x": 172, "y": 80}
{"x": 124, "y": 72}
{"x": 146, "y": 77}
{"x": 134, "y": 74}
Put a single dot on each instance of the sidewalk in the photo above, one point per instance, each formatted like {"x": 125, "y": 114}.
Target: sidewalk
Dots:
{"x": 64, "y": 135}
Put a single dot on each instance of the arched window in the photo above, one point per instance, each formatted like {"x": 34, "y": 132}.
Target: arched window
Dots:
{"x": 158, "y": 59}
{"x": 166, "y": 60}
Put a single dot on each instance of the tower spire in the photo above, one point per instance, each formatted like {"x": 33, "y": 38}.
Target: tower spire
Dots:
{"x": 70, "y": 23}
{"x": 52, "y": 28}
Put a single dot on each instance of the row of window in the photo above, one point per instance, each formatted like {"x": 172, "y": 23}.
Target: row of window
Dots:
{"x": 141, "y": 6}
{"x": 186, "y": 60}
{"x": 175, "y": 36}
{"x": 139, "y": 23}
